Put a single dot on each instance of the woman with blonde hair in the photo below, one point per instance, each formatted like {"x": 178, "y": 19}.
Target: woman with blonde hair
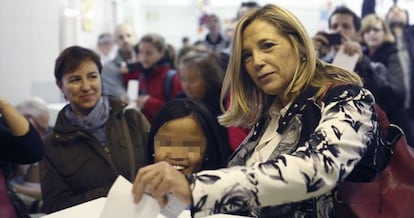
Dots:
{"x": 379, "y": 45}
{"x": 301, "y": 144}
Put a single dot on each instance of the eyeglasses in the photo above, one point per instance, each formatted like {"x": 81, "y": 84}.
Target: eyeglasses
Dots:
{"x": 369, "y": 29}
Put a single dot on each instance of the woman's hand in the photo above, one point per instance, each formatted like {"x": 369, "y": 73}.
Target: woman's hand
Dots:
{"x": 351, "y": 47}
{"x": 160, "y": 179}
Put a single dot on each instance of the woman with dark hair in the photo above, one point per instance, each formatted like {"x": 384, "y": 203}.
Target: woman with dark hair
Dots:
{"x": 95, "y": 138}
{"x": 184, "y": 134}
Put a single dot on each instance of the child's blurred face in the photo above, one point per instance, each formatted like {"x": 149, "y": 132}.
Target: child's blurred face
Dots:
{"x": 148, "y": 54}
{"x": 181, "y": 142}
{"x": 192, "y": 82}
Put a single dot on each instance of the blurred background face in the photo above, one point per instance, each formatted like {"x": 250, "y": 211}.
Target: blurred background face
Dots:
{"x": 148, "y": 54}
{"x": 397, "y": 16}
{"x": 213, "y": 24}
{"x": 125, "y": 38}
{"x": 373, "y": 35}
{"x": 82, "y": 88}
{"x": 192, "y": 82}
{"x": 343, "y": 23}
{"x": 181, "y": 142}
{"x": 106, "y": 47}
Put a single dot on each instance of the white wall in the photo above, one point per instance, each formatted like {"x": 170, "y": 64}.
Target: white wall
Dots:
{"x": 34, "y": 32}
{"x": 29, "y": 44}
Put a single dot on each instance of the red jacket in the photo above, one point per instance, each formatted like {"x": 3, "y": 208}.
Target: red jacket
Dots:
{"x": 151, "y": 83}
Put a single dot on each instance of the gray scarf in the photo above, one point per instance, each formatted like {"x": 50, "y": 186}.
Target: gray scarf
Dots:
{"x": 94, "y": 122}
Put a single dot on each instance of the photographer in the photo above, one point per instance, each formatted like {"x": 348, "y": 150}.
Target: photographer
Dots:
{"x": 375, "y": 76}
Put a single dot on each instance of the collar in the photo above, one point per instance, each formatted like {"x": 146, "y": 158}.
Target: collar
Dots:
{"x": 62, "y": 126}
{"x": 297, "y": 106}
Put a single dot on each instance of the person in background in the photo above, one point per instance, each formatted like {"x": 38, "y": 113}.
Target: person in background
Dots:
{"x": 246, "y": 7}
{"x": 375, "y": 75}
{"x": 105, "y": 47}
{"x": 379, "y": 45}
{"x": 200, "y": 45}
{"x": 112, "y": 82}
{"x": 214, "y": 39}
{"x": 201, "y": 78}
{"x": 184, "y": 134}
{"x": 20, "y": 144}
{"x": 298, "y": 149}
{"x": 26, "y": 182}
{"x": 95, "y": 138}
{"x": 158, "y": 81}
{"x": 398, "y": 21}
{"x": 185, "y": 42}
{"x": 368, "y": 7}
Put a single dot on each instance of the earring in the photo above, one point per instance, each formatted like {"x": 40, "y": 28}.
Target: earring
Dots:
{"x": 303, "y": 59}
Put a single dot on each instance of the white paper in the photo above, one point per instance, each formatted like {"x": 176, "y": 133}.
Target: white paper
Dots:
{"x": 345, "y": 61}
{"x": 173, "y": 208}
{"x": 132, "y": 91}
{"x": 119, "y": 202}
{"x": 90, "y": 209}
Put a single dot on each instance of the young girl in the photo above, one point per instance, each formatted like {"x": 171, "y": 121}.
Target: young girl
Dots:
{"x": 184, "y": 134}
{"x": 156, "y": 83}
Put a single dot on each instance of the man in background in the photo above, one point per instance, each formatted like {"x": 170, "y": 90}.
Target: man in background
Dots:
{"x": 375, "y": 75}
{"x": 105, "y": 47}
{"x": 125, "y": 39}
{"x": 398, "y": 20}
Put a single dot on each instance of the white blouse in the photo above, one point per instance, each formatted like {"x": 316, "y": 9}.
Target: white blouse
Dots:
{"x": 271, "y": 138}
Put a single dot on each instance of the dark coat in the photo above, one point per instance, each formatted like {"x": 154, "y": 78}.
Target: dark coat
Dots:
{"x": 387, "y": 54}
{"x": 409, "y": 40}
{"x": 77, "y": 168}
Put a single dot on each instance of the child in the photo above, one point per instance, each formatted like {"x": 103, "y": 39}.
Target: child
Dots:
{"x": 184, "y": 135}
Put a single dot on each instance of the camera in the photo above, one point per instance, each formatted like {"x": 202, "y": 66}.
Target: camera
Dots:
{"x": 334, "y": 38}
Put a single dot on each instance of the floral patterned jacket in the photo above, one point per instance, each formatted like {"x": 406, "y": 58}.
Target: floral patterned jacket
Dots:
{"x": 322, "y": 143}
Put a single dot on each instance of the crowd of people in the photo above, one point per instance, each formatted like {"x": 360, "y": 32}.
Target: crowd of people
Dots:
{"x": 263, "y": 104}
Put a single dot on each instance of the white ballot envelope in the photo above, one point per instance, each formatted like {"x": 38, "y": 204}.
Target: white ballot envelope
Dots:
{"x": 345, "y": 61}
{"x": 119, "y": 202}
{"x": 90, "y": 209}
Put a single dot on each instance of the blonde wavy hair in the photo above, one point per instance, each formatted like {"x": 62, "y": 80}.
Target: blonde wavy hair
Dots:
{"x": 247, "y": 101}
{"x": 372, "y": 19}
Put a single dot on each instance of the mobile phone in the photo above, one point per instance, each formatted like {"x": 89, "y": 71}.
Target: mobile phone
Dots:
{"x": 334, "y": 38}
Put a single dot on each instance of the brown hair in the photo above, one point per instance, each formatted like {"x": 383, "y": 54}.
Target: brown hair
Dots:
{"x": 73, "y": 57}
